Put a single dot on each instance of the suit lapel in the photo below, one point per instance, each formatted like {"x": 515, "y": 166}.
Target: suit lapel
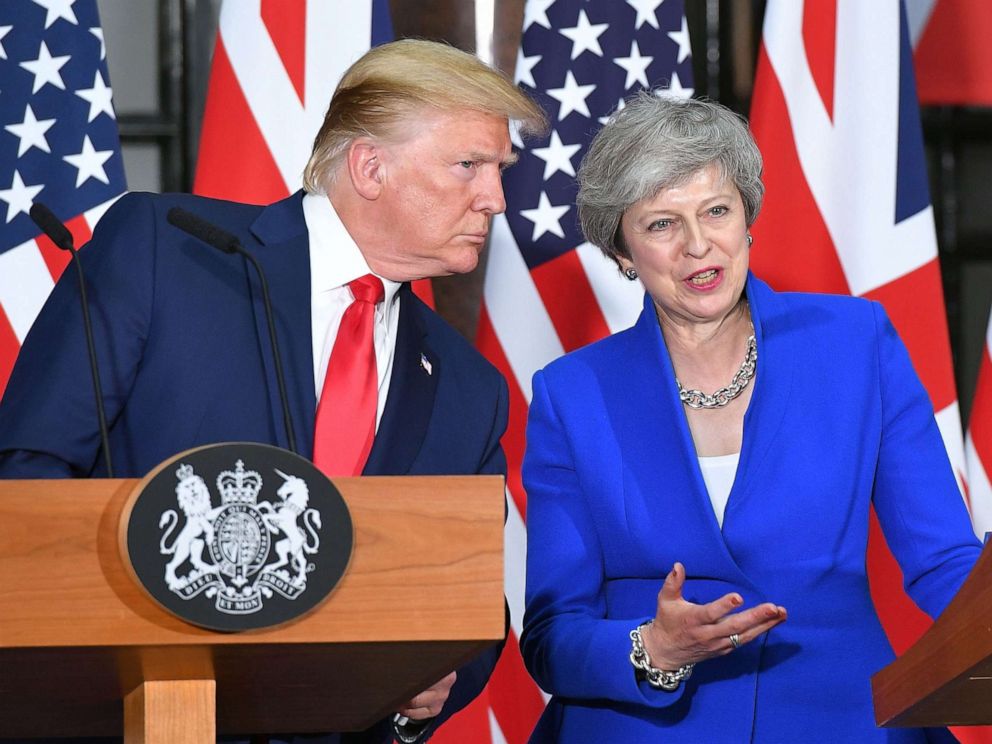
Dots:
{"x": 416, "y": 370}
{"x": 773, "y": 385}
{"x": 282, "y": 248}
{"x": 663, "y": 485}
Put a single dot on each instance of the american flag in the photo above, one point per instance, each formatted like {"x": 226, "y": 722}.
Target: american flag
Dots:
{"x": 58, "y": 145}
{"x": 546, "y": 290}
{"x": 848, "y": 208}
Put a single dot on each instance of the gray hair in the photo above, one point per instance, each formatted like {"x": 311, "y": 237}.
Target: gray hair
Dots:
{"x": 657, "y": 142}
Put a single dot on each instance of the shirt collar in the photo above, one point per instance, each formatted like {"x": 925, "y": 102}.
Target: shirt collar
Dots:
{"x": 335, "y": 258}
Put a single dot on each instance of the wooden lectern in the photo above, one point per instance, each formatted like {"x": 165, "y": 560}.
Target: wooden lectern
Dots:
{"x": 85, "y": 652}
{"x": 945, "y": 678}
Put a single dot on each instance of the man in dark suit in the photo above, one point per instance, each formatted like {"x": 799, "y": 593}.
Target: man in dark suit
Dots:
{"x": 402, "y": 184}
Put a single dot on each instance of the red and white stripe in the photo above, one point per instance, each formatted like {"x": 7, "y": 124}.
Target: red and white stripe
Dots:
{"x": 27, "y": 274}
{"x": 978, "y": 445}
{"x": 528, "y": 319}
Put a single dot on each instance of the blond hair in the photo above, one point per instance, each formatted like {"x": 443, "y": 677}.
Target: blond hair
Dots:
{"x": 394, "y": 83}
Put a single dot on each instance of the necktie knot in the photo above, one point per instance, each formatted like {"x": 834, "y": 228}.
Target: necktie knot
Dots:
{"x": 367, "y": 288}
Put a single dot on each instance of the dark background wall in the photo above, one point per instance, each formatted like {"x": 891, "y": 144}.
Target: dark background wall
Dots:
{"x": 159, "y": 97}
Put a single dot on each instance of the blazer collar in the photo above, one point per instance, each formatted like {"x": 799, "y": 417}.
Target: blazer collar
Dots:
{"x": 658, "y": 446}
{"x": 282, "y": 250}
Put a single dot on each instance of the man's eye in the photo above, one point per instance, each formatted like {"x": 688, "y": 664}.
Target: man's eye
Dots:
{"x": 467, "y": 163}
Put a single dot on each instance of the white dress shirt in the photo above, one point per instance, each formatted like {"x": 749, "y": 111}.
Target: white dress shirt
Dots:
{"x": 719, "y": 474}
{"x": 336, "y": 260}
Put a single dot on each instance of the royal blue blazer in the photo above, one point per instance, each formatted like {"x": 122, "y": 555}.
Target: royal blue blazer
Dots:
{"x": 838, "y": 421}
{"x": 185, "y": 360}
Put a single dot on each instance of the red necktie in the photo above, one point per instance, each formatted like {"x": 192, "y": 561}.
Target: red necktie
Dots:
{"x": 345, "y": 424}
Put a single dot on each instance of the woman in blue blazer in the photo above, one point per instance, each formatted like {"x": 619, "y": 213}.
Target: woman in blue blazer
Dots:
{"x": 699, "y": 485}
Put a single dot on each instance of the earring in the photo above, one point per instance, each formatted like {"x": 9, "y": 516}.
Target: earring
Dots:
{"x": 750, "y": 239}
{"x": 630, "y": 273}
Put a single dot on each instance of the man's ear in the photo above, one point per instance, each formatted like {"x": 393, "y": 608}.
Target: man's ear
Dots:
{"x": 365, "y": 167}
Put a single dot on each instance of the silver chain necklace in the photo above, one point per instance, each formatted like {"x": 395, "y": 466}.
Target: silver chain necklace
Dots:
{"x": 720, "y": 398}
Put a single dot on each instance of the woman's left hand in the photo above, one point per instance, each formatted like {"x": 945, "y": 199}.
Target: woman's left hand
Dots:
{"x": 685, "y": 633}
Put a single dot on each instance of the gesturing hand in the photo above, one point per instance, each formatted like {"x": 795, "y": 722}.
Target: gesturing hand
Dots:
{"x": 683, "y": 632}
{"x": 428, "y": 703}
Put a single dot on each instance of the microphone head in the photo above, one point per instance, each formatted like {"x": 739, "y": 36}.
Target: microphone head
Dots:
{"x": 200, "y": 229}
{"x": 51, "y": 225}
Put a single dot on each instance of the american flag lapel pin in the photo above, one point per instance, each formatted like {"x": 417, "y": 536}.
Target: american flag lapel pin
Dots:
{"x": 425, "y": 364}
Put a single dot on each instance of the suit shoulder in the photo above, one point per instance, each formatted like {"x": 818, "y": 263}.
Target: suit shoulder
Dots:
{"x": 148, "y": 209}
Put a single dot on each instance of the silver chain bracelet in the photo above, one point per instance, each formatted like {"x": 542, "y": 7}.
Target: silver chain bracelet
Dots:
{"x": 659, "y": 678}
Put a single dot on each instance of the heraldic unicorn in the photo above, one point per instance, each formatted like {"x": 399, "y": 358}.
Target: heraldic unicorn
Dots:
{"x": 225, "y": 550}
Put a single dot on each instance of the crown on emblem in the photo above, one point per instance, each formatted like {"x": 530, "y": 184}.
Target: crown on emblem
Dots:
{"x": 240, "y": 486}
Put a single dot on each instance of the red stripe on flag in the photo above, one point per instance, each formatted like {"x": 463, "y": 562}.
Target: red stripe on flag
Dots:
{"x": 286, "y": 21}
{"x": 425, "y": 291}
{"x": 515, "y": 437}
{"x": 516, "y": 701}
{"x": 234, "y": 162}
{"x": 980, "y": 421}
{"x": 915, "y": 303}
{"x": 820, "y": 40}
{"x": 570, "y": 301}
{"x": 777, "y": 256}
{"x": 54, "y": 257}
{"x": 470, "y": 724}
{"x": 9, "y": 346}
{"x": 952, "y": 58}
{"x": 902, "y": 620}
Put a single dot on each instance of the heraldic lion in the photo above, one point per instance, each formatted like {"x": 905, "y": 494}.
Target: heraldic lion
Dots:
{"x": 194, "y": 499}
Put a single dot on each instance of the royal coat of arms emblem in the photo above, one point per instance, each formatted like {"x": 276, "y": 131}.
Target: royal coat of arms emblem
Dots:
{"x": 228, "y": 548}
{"x": 238, "y": 538}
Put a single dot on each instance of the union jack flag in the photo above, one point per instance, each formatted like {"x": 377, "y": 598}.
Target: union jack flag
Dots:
{"x": 848, "y": 208}
{"x": 58, "y": 145}
{"x": 546, "y": 290}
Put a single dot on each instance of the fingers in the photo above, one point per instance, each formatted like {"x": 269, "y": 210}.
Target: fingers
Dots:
{"x": 671, "y": 590}
{"x": 428, "y": 703}
{"x": 749, "y": 625}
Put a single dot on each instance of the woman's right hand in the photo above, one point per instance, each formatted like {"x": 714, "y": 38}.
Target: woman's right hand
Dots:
{"x": 683, "y": 632}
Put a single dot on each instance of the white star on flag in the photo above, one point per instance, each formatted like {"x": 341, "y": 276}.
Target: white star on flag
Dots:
{"x": 546, "y": 217}
{"x": 4, "y": 30}
{"x": 557, "y": 156}
{"x": 620, "y": 104}
{"x": 98, "y": 33}
{"x": 58, "y": 9}
{"x": 524, "y": 67}
{"x": 31, "y": 132}
{"x": 675, "y": 89}
{"x": 636, "y": 67}
{"x": 572, "y": 96}
{"x": 585, "y": 36}
{"x": 98, "y": 97}
{"x": 89, "y": 163}
{"x": 19, "y": 196}
{"x": 681, "y": 37}
{"x": 46, "y": 69}
{"x": 536, "y": 11}
{"x": 646, "y": 12}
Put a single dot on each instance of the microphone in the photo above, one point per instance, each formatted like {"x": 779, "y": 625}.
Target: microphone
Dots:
{"x": 226, "y": 242}
{"x": 59, "y": 234}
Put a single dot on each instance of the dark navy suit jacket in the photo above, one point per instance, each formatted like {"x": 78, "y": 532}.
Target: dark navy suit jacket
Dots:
{"x": 185, "y": 360}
